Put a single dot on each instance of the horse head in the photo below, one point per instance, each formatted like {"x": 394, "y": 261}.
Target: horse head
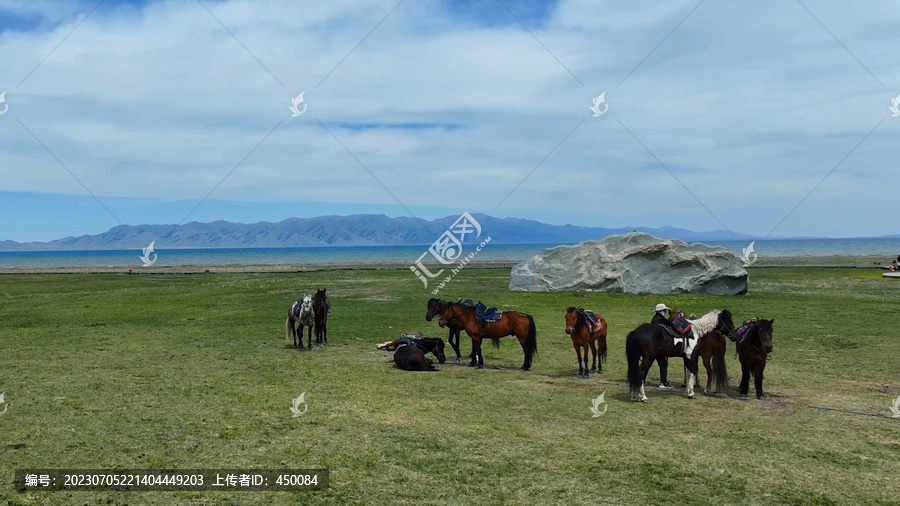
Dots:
{"x": 571, "y": 319}
{"x": 725, "y": 324}
{"x": 764, "y": 332}
{"x": 436, "y": 307}
{"x": 305, "y": 305}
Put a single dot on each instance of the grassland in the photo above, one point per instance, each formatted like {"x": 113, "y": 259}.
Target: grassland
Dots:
{"x": 178, "y": 371}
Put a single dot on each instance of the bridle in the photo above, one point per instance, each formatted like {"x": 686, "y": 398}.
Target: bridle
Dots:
{"x": 724, "y": 327}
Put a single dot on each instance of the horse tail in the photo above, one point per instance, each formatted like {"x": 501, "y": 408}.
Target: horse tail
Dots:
{"x": 719, "y": 370}
{"x": 603, "y": 352}
{"x": 633, "y": 352}
{"x": 496, "y": 342}
{"x": 531, "y": 340}
{"x": 287, "y": 331}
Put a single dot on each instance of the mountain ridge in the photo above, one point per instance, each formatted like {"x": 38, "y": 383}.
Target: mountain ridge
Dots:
{"x": 336, "y": 230}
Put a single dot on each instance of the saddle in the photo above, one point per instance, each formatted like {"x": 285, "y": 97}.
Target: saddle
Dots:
{"x": 681, "y": 324}
{"x": 484, "y": 314}
{"x": 593, "y": 322}
{"x": 742, "y": 331}
{"x": 669, "y": 330}
{"x": 407, "y": 340}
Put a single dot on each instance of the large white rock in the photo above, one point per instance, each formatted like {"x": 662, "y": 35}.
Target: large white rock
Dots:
{"x": 632, "y": 263}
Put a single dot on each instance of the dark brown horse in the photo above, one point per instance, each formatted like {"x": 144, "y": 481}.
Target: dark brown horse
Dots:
{"x": 512, "y": 323}
{"x": 583, "y": 332}
{"x": 455, "y": 328}
{"x": 321, "y": 308}
{"x": 753, "y": 350}
{"x": 410, "y": 353}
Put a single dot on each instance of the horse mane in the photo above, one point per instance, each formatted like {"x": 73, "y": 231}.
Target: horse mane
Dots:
{"x": 706, "y": 323}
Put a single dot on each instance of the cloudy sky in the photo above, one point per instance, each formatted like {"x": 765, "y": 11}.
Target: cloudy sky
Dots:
{"x": 766, "y": 117}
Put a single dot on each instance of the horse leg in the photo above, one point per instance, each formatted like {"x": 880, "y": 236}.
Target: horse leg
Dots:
{"x": 478, "y": 355}
{"x": 708, "y": 368}
{"x": 527, "y": 363}
{"x": 584, "y": 351}
{"x": 757, "y": 382}
{"x": 474, "y": 356}
{"x": 309, "y": 333}
{"x": 578, "y": 356}
{"x": 691, "y": 367}
{"x": 454, "y": 345}
{"x": 646, "y": 362}
{"x": 745, "y": 380}
{"x": 593, "y": 357}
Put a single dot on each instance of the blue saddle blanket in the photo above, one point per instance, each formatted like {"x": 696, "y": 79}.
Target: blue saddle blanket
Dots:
{"x": 486, "y": 314}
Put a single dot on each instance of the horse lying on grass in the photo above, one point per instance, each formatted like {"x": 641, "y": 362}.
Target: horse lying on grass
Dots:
{"x": 410, "y": 351}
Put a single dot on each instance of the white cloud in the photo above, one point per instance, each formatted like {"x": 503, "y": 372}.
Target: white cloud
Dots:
{"x": 162, "y": 102}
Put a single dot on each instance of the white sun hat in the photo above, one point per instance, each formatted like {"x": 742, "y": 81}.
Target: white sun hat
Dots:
{"x": 662, "y": 307}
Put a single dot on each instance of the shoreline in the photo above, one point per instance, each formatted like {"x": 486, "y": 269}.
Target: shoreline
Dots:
{"x": 826, "y": 262}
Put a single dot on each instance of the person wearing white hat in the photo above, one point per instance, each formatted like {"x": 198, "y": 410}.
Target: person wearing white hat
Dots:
{"x": 660, "y": 317}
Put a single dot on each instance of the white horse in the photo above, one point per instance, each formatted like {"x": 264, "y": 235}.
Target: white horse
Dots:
{"x": 301, "y": 313}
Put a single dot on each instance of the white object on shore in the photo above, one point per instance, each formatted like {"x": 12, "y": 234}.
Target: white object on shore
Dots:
{"x": 891, "y": 274}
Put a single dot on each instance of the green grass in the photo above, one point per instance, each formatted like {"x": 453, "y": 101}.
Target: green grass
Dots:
{"x": 172, "y": 371}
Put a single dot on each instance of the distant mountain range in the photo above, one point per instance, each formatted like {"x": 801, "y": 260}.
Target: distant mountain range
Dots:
{"x": 354, "y": 230}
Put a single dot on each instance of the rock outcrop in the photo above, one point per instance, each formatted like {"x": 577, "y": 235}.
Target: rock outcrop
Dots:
{"x": 633, "y": 263}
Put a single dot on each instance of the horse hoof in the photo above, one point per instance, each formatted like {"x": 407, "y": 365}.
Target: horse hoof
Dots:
{"x": 479, "y": 366}
{"x": 691, "y": 396}
{"x": 763, "y": 398}
{"x": 644, "y": 400}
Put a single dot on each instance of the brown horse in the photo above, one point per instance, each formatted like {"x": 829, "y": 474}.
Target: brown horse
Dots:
{"x": 753, "y": 350}
{"x": 711, "y": 348}
{"x": 583, "y": 332}
{"x": 514, "y": 323}
{"x": 714, "y": 325}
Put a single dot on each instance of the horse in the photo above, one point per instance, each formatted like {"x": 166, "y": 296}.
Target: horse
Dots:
{"x": 301, "y": 313}
{"x": 455, "y": 329}
{"x": 710, "y": 330}
{"x": 583, "y": 332}
{"x": 409, "y": 357}
{"x": 514, "y": 323}
{"x": 321, "y": 308}
{"x": 647, "y": 343}
{"x": 753, "y": 350}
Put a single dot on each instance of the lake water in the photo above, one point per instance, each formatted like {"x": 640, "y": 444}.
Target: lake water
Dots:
{"x": 887, "y": 248}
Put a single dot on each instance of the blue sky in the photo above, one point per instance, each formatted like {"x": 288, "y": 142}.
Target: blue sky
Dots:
{"x": 764, "y": 117}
